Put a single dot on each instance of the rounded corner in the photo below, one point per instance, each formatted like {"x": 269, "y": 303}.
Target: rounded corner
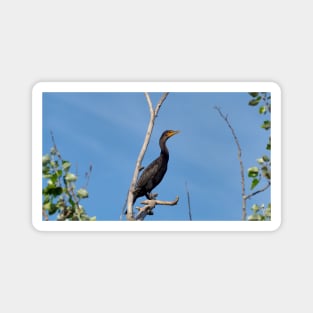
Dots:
{"x": 276, "y": 226}
{"x": 37, "y": 87}
{"x": 276, "y": 86}
{"x": 37, "y": 226}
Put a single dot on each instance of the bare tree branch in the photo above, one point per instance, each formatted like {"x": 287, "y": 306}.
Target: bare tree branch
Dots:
{"x": 150, "y": 205}
{"x": 243, "y": 192}
{"x": 153, "y": 114}
{"x": 158, "y": 106}
{"x": 188, "y": 199}
{"x": 69, "y": 186}
{"x": 258, "y": 191}
{"x": 242, "y": 172}
{"x": 149, "y": 103}
{"x": 87, "y": 176}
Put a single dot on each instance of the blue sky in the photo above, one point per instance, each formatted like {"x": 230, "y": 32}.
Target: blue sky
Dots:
{"x": 107, "y": 130}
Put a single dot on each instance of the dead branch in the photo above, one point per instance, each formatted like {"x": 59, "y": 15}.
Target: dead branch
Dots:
{"x": 153, "y": 115}
{"x": 239, "y": 155}
{"x": 188, "y": 199}
{"x": 258, "y": 191}
{"x": 150, "y": 205}
{"x": 87, "y": 176}
{"x": 243, "y": 192}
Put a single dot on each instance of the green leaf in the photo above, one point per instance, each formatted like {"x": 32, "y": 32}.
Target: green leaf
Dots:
{"x": 253, "y": 94}
{"x": 268, "y": 212}
{"x": 254, "y": 102}
{"x": 255, "y": 208}
{"x": 52, "y": 189}
{"x": 54, "y": 163}
{"x": 60, "y": 203}
{"x": 254, "y": 183}
{"x": 47, "y": 206}
{"x": 262, "y": 109}
{"x": 55, "y": 191}
{"x": 59, "y": 173}
{"x": 260, "y": 160}
{"x": 51, "y": 183}
{"x": 253, "y": 171}
{"x": 54, "y": 178}
{"x": 80, "y": 209}
{"x": 266, "y": 172}
{"x": 82, "y": 193}
{"x": 66, "y": 165}
{"x": 69, "y": 177}
{"x": 50, "y": 207}
{"x": 268, "y": 146}
{"x": 266, "y": 158}
{"x": 45, "y": 159}
{"x": 71, "y": 201}
{"x": 53, "y": 209}
{"x": 46, "y": 169}
{"x": 253, "y": 217}
{"x": 46, "y": 199}
{"x": 93, "y": 218}
{"x": 53, "y": 151}
{"x": 266, "y": 125}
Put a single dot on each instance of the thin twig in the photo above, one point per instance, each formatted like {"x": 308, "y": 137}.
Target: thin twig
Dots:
{"x": 242, "y": 172}
{"x": 158, "y": 106}
{"x": 55, "y": 147}
{"x": 87, "y": 176}
{"x": 124, "y": 210}
{"x": 68, "y": 186}
{"x": 149, "y": 103}
{"x": 258, "y": 191}
{"x": 188, "y": 199}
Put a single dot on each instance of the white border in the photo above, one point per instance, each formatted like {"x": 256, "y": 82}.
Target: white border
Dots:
{"x": 41, "y": 87}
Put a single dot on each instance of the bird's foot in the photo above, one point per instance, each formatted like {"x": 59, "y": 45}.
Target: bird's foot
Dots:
{"x": 152, "y": 196}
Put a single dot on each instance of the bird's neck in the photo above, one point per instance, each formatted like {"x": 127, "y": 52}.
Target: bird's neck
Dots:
{"x": 164, "y": 150}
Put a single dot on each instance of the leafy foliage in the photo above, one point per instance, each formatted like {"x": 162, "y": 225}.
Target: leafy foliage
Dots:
{"x": 60, "y": 194}
{"x": 263, "y": 168}
{"x": 260, "y": 213}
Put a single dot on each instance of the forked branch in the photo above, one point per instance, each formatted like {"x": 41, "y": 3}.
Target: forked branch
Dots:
{"x": 150, "y": 205}
{"x": 239, "y": 155}
{"x": 244, "y": 196}
{"x": 153, "y": 115}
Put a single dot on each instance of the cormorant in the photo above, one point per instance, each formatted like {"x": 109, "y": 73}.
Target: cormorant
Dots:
{"x": 154, "y": 173}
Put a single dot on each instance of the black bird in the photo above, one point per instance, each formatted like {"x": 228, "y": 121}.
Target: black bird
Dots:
{"x": 154, "y": 172}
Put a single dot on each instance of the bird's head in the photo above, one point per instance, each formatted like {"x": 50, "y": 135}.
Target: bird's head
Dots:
{"x": 169, "y": 133}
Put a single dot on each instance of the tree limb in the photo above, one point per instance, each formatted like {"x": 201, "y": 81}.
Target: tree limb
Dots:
{"x": 153, "y": 115}
{"x": 150, "y": 205}
{"x": 245, "y": 197}
{"x": 242, "y": 172}
{"x": 258, "y": 191}
{"x": 158, "y": 106}
{"x": 149, "y": 103}
{"x": 188, "y": 199}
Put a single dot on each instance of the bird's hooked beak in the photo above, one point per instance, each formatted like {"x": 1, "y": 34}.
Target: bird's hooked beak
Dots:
{"x": 172, "y": 133}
